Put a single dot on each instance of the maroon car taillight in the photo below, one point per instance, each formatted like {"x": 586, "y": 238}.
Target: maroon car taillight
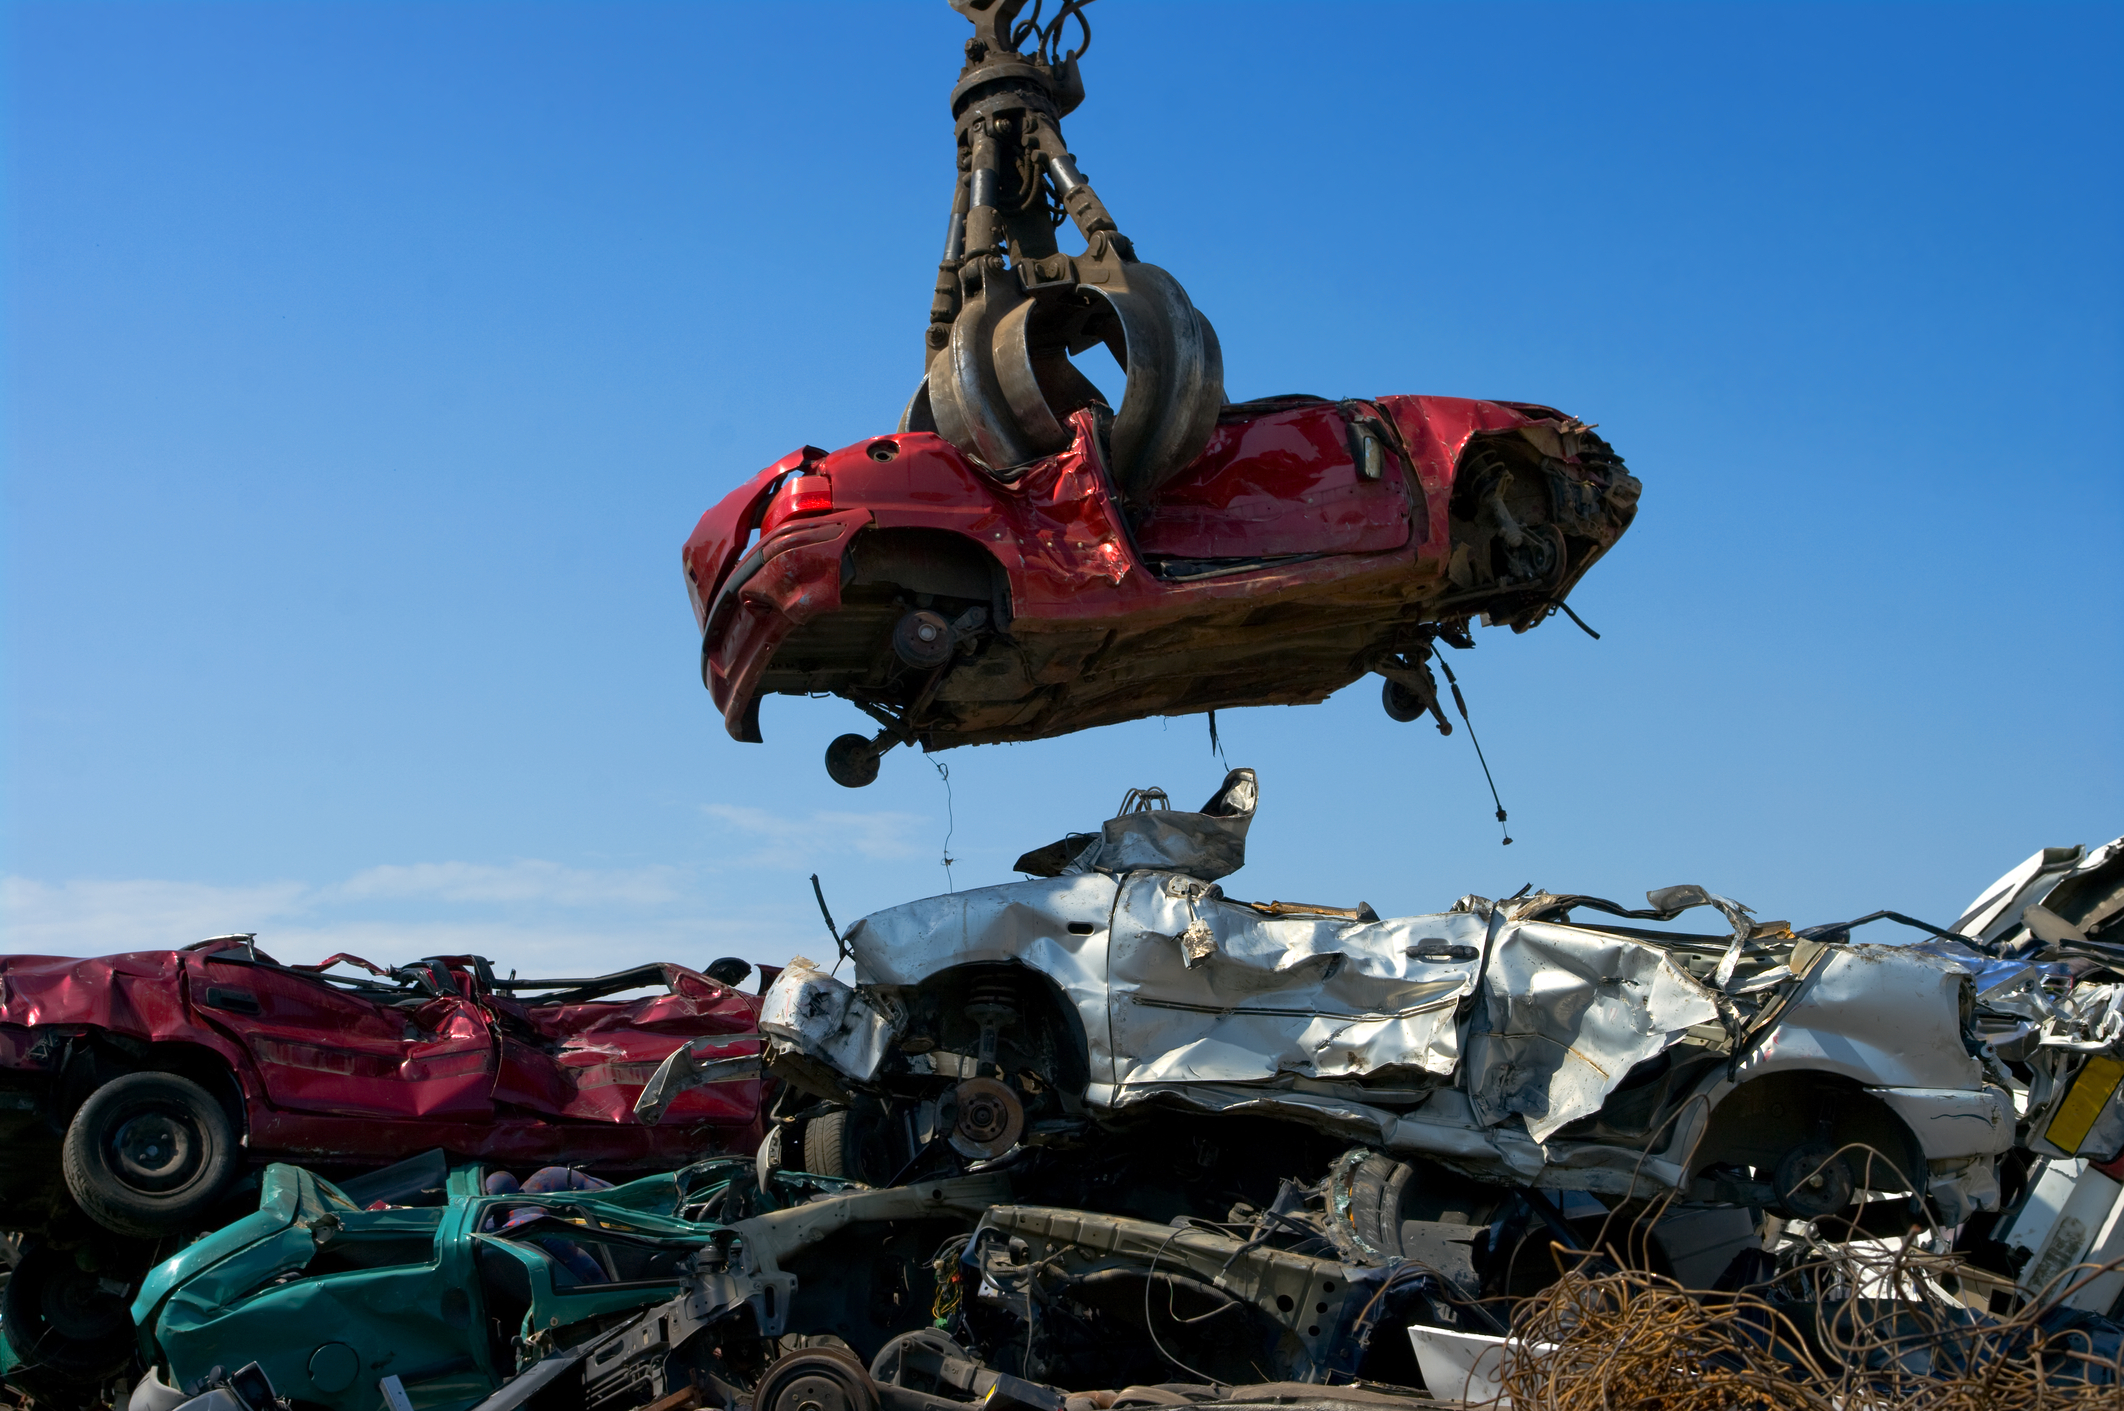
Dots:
{"x": 804, "y": 494}
{"x": 811, "y": 494}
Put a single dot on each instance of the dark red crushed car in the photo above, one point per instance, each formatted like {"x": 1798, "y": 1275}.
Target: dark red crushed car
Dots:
{"x": 1310, "y": 543}
{"x": 151, "y": 1080}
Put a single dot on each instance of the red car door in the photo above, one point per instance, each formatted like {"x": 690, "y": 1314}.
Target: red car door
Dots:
{"x": 348, "y": 1047}
{"x": 589, "y": 1058}
{"x": 1308, "y": 478}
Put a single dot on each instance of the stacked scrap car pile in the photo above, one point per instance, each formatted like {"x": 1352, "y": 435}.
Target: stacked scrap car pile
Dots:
{"x": 1108, "y": 1137}
{"x": 141, "y": 1094}
{"x": 1110, "y": 1128}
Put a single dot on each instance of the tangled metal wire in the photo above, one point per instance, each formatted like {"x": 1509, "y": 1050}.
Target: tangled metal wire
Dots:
{"x": 1867, "y": 1325}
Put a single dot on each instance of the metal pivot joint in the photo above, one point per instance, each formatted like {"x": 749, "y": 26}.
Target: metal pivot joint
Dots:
{"x": 1011, "y": 307}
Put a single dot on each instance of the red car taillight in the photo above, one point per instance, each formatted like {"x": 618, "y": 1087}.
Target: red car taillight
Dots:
{"x": 804, "y": 494}
{"x": 811, "y": 494}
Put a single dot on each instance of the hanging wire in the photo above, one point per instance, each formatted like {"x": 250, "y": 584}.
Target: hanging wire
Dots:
{"x": 951, "y": 821}
{"x": 1029, "y": 26}
{"x": 1151, "y": 1328}
{"x": 1560, "y": 603}
{"x": 1461, "y": 704}
{"x": 840, "y": 947}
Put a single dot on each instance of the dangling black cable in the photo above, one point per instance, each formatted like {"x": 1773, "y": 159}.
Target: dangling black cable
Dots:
{"x": 1216, "y": 746}
{"x": 840, "y": 948}
{"x": 1560, "y": 603}
{"x": 1460, "y": 703}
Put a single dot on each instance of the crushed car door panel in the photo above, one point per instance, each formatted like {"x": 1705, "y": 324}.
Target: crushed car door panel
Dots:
{"x": 590, "y": 1060}
{"x": 321, "y": 1048}
{"x": 1290, "y": 482}
{"x": 1206, "y": 990}
{"x": 1570, "y": 1013}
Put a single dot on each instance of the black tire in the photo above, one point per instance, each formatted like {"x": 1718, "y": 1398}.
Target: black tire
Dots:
{"x": 1378, "y": 1191}
{"x": 67, "y": 1329}
{"x": 852, "y": 1144}
{"x": 830, "y": 1147}
{"x": 852, "y": 761}
{"x": 1401, "y": 703}
{"x": 148, "y": 1154}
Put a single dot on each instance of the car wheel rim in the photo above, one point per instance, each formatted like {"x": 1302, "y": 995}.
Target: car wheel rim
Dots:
{"x": 814, "y": 1394}
{"x": 816, "y": 1379}
{"x": 155, "y": 1150}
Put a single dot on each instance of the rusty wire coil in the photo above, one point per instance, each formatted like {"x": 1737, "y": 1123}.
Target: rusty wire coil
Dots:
{"x": 1869, "y": 1326}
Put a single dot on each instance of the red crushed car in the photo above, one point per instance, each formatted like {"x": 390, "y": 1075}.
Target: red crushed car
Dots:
{"x": 146, "y": 1083}
{"x": 1310, "y": 543}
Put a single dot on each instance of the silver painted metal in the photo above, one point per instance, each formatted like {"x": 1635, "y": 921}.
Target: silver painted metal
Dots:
{"x": 1494, "y": 1038}
{"x": 817, "y": 1014}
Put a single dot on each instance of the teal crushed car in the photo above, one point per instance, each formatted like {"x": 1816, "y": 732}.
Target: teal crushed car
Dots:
{"x": 449, "y": 1296}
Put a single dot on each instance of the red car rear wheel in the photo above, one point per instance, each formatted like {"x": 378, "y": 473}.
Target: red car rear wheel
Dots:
{"x": 148, "y": 1154}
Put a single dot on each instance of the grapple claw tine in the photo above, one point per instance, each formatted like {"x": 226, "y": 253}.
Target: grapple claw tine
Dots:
{"x": 919, "y": 416}
{"x": 1020, "y": 380}
{"x": 1175, "y": 378}
{"x": 1009, "y": 307}
{"x": 972, "y": 411}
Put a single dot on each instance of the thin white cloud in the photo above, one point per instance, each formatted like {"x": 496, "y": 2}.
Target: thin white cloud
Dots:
{"x": 91, "y": 917}
{"x": 530, "y": 915}
{"x": 793, "y": 842}
{"x": 525, "y": 881}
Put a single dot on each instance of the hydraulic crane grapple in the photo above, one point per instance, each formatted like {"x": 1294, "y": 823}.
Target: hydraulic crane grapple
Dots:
{"x": 1011, "y": 308}
{"x": 1021, "y": 560}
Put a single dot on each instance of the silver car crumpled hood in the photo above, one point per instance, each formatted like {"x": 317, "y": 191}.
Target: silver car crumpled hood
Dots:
{"x": 1475, "y": 1036}
{"x": 1571, "y": 1013}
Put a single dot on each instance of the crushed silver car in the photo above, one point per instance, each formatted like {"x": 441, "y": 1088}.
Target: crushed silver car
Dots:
{"x": 1544, "y": 1040}
{"x": 2050, "y": 1005}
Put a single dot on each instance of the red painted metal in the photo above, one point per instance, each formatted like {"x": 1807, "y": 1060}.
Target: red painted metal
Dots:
{"x": 330, "y": 1074}
{"x": 1277, "y": 483}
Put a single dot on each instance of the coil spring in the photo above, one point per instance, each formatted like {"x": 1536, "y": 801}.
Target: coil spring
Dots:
{"x": 996, "y": 995}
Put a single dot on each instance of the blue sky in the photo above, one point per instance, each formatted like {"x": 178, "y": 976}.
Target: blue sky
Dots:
{"x": 366, "y": 366}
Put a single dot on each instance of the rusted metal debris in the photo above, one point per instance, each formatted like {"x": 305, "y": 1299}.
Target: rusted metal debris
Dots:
{"x": 1113, "y": 1126}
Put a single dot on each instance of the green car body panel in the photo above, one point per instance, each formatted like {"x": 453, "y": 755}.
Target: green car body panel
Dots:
{"x": 330, "y": 1298}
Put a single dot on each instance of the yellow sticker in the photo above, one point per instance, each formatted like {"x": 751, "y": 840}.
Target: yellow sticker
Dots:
{"x": 2084, "y": 1100}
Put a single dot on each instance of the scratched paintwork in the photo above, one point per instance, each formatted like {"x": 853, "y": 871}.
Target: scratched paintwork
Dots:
{"x": 410, "y": 1290}
{"x": 325, "y": 1071}
{"x": 1267, "y": 571}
